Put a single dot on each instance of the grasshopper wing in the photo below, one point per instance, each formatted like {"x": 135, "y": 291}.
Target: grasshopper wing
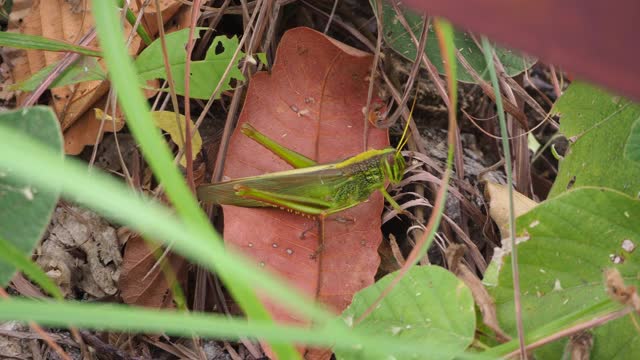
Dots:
{"x": 317, "y": 182}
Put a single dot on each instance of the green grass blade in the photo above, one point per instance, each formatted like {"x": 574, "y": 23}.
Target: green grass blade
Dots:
{"x": 156, "y": 150}
{"x": 131, "y": 18}
{"x": 488, "y": 54}
{"x": 119, "y": 317}
{"x": 34, "y": 42}
{"x": 444, "y": 31}
{"x": 114, "y": 200}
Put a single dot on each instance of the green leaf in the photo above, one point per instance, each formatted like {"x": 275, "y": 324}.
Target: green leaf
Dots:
{"x": 632, "y": 148}
{"x": 400, "y": 41}
{"x": 205, "y": 74}
{"x": 35, "y": 42}
{"x": 25, "y": 209}
{"x": 571, "y": 239}
{"x": 597, "y": 124}
{"x": 262, "y": 57}
{"x": 84, "y": 69}
{"x": 428, "y": 306}
{"x": 166, "y": 120}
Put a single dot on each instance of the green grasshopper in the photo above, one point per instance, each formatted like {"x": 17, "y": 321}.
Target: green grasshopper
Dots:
{"x": 312, "y": 190}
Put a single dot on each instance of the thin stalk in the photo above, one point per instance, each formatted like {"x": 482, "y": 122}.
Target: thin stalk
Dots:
{"x": 488, "y": 54}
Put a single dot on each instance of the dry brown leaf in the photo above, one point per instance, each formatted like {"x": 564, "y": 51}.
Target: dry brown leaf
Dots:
{"x": 498, "y": 195}
{"x": 69, "y": 21}
{"x": 558, "y": 32}
{"x": 85, "y": 131}
{"x": 454, "y": 254}
{"x": 26, "y": 287}
{"x": 619, "y": 291}
{"x": 143, "y": 283}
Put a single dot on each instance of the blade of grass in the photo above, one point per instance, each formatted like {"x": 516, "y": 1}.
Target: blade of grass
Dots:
{"x": 488, "y": 55}
{"x": 156, "y": 152}
{"x": 444, "y": 31}
{"x": 155, "y": 149}
{"x": 114, "y": 200}
{"x": 126, "y": 318}
{"x": 35, "y": 42}
{"x": 131, "y": 18}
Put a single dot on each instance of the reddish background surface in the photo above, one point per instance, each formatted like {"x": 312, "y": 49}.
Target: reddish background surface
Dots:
{"x": 594, "y": 39}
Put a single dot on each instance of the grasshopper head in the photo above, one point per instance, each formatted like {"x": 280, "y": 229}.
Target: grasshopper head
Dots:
{"x": 393, "y": 167}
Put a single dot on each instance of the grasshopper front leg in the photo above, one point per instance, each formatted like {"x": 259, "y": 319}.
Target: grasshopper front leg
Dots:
{"x": 393, "y": 203}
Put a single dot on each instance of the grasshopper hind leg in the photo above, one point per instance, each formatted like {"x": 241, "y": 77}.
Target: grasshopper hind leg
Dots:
{"x": 294, "y": 158}
{"x": 300, "y": 205}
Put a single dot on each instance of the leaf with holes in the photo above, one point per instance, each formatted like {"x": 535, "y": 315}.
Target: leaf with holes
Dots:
{"x": 205, "y": 74}
{"x": 25, "y": 210}
{"x": 571, "y": 240}
{"x": 597, "y": 125}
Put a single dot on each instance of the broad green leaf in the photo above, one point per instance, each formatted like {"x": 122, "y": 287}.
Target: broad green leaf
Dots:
{"x": 25, "y": 209}
{"x": 166, "y": 120}
{"x": 85, "y": 69}
{"x": 400, "y": 41}
{"x": 571, "y": 240}
{"x": 598, "y": 125}
{"x": 205, "y": 74}
{"x": 632, "y": 147}
{"x": 428, "y": 306}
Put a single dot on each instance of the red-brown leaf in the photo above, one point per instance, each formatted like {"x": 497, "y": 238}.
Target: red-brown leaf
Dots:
{"x": 312, "y": 103}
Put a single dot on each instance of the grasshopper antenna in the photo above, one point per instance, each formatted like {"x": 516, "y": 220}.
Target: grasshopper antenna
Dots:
{"x": 404, "y": 139}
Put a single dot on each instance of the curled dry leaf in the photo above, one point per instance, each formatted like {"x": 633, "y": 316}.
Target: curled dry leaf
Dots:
{"x": 498, "y": 195}
{"x": 312, "y": 103}
{"x": 580, "y": 346}
{"x": 86, "y": 131}
{"x": 619, "y": 291}
{"x": 81, "y": 251}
